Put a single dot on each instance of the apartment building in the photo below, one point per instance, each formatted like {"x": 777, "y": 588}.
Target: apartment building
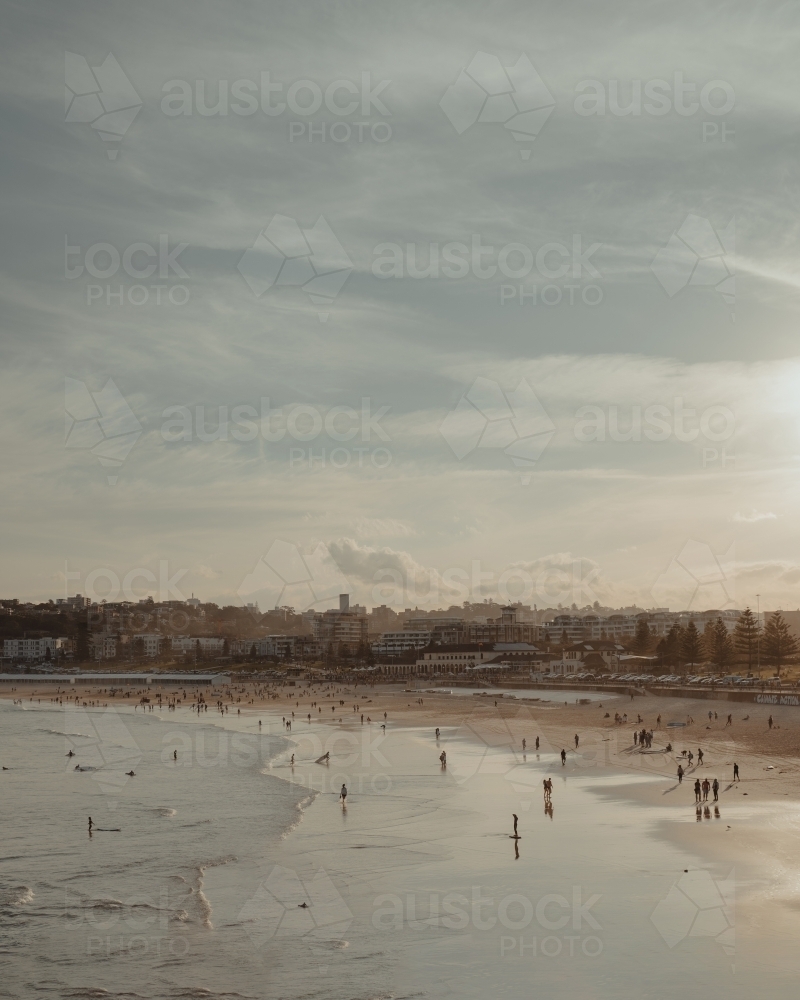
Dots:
{"x": 32, "y": 649}
{"x": 343, "y": 630}
{"x": 622, "y": 628}
{"x": 188, "y": 644}
{"x": 397, "y": 643}
{"x": 151, "y": 642}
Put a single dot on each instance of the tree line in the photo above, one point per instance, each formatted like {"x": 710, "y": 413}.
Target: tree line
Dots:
{"x": 686, "y": 647}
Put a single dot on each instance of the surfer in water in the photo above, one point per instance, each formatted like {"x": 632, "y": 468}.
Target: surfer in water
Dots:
{"x": 516, "y": 818}
{"x": 91, "y": 824}
{"x": 323, "y": 759}
{"x": 70, "y": 754}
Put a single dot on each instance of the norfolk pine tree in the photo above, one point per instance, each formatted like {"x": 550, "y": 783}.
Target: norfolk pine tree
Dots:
{"x": 779, "y": 643}
{"x": 746, "y": 636}
{"x": 722, "y": 644}
{"x": 691, "y": 644}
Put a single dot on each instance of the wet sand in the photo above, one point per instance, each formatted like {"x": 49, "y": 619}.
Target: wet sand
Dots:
{"x": 414, "y": 835}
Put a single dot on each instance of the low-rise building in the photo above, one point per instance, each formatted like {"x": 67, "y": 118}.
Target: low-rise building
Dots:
{"x": 398, "y": 643}
{"x": 32, "y": 649}
{"x": 598, "y": 655}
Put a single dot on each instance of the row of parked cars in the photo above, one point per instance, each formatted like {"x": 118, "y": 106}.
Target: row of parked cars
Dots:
{"x": 694, "y": 680}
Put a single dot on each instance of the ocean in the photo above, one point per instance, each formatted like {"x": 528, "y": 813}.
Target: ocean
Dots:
{"x": 233, "y": 872}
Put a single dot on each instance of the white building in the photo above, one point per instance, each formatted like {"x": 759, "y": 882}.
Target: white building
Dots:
{"x": 396, "y": 643}
{"x": 188, "y": 644}
{"x": 31, "y": 649}
{"x": 151, "y": 641}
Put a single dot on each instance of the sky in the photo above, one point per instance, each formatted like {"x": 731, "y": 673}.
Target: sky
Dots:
{"x": 424, "y": 303}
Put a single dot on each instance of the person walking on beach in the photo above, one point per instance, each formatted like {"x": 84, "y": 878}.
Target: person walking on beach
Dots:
{"x": 563, "y": 757}
{"x": 730, "y": 721}
{"x": 680, "y": 773}
{"x": 577, "y": 741}
{"x": 697, "y": 790}
{"x": 437, "y": 732}
{"x": 524, "y": 744}
{"x": 735, "y": 772}
{"x": 90, "y": 824}
{"x": 770, "y": 722}
{"x": 537, "y": 742}
{"x": 443, "y": 759}
{"x": 699, "y": 756}
{"x": 715, "y": 789}
{"x": 343, "y": 795}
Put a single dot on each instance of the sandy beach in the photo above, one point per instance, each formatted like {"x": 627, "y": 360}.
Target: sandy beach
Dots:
{"x": 415, "y": 886}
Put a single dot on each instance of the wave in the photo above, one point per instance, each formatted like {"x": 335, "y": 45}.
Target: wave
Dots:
{"x": 16, "y": 895}
{"x": 203, "y": 902}
{"x": 299, "y": 809}
{"x": 164, "y": 811}
{"x": 58, "y": 732}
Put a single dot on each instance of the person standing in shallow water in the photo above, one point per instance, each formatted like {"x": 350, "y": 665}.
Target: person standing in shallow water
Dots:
{"x": 563, "y": 757}
{"x": 680, "y": 773}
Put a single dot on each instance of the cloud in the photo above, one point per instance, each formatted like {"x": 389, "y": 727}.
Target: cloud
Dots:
{"x": 753, "y": 516}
